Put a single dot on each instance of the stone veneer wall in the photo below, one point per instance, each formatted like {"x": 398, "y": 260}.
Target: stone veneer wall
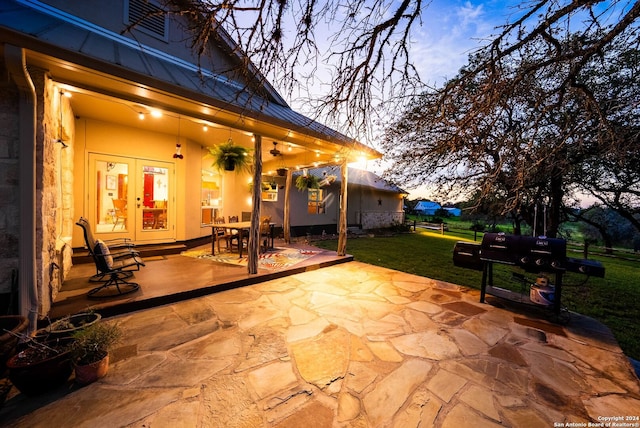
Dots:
{"x": 9, "y": 190}
{"x": 54, "y": 197}
{"x": 380, "y": 219}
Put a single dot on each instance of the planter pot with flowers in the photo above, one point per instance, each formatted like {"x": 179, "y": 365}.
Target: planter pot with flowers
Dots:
{"x": 90, "y": 351}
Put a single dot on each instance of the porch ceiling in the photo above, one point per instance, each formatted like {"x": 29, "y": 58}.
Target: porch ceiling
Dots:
{"x": 296, "y": 150}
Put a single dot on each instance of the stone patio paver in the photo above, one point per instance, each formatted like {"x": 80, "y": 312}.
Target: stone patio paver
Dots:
{"x": 351, "y": 345}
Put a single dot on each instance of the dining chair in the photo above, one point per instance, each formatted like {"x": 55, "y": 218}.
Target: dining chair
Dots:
{"x": 238, "y": 237}
{"x": 120, "y": 212}
{"x": 265, "y": 233}
{"x": 220, "y": 234}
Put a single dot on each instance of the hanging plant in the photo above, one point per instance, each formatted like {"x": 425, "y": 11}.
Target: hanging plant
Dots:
{"x": 282, "y": 171}
{"x": 231, "y": 157}
{"x": 304, "y": 182}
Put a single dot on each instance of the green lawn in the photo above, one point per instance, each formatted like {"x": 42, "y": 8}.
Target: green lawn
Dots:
{"x": 614, "y": 300}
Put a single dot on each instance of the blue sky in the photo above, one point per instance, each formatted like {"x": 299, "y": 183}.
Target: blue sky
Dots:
{"x": 451, "y": 29}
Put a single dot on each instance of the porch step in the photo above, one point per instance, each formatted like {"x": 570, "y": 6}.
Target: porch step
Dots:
{"x": 152, "y": 250}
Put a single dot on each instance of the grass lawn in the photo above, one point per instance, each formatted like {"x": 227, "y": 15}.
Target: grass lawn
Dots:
{"x": 614, "y": 300}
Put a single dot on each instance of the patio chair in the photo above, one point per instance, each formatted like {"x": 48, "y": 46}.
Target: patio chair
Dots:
{"x": 113, "y": 268}
{"x": 119, "y": 247}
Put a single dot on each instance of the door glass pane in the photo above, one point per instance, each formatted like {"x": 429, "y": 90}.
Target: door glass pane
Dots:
{"x": 112, "y": 182}
{"x": 155, "y": 182}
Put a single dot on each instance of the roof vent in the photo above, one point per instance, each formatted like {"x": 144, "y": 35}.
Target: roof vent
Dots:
{"x": 147, "y": 17}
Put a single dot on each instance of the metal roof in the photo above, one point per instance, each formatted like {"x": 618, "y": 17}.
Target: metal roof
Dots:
{"x": 356, "y": 176}
{"x": 44, "y": 29}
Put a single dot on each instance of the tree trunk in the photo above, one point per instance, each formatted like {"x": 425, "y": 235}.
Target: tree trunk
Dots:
{"x": 555, "y": 205}
{"x": 287, "y": 206}
{"x": 254, "y": 232}
{"x": 342, "y": 222}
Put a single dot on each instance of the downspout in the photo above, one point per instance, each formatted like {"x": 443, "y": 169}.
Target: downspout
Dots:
{"x": 27, "y": 289}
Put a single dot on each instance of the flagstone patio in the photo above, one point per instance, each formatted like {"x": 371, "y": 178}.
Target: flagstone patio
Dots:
{"x": 350, "y": 345}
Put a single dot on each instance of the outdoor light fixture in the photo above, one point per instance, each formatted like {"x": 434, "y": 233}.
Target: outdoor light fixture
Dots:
{"x": 177, "y": 154}
{"x": 60, "y": 140}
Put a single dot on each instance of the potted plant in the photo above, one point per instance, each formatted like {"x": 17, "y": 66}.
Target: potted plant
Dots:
{"x": 307, "y": 182}
{"x": 90, "y": 351}
{"x": 40, "y": 366}
{"x": 281, "y": 171}
{"x": 66, "y": 326}
{"x": 229, "y": 157}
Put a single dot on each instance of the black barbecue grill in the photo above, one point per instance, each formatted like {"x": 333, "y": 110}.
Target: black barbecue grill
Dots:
{"x": 530, "y": 253}
{"x": 533, "y": 254}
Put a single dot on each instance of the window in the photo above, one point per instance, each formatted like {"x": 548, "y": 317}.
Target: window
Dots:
{"x": 315, "y": 202}
{"x": 211, "y": 199}
{"x": 147, "y": 17}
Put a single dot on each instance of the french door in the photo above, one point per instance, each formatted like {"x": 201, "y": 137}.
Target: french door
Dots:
{"x": 132, "y": 198}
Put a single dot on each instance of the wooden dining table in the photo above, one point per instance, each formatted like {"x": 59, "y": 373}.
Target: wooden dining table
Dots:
{"x": 239, "y": 226}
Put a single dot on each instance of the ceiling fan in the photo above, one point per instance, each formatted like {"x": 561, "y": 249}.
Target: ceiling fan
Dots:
{"x": 275, "y": 150}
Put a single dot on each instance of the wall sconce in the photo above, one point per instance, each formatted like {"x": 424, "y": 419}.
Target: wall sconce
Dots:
{"x": 177, "y": 154}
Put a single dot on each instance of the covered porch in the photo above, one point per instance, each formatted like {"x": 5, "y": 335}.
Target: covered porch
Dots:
{"x": 170, "y": 278}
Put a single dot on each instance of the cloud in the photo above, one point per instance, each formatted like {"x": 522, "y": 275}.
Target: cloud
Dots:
{"x": 450, "y": 32}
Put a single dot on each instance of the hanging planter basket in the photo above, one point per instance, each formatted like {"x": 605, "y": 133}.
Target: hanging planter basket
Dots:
{"x": 231, "y": 157}
{"x": 282, "y": 172}
{"x": 304, "y": 182}
{"x": 229, "y": 164}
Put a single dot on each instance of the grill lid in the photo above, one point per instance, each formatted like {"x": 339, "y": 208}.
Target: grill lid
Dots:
{"x": 532, "y": 253}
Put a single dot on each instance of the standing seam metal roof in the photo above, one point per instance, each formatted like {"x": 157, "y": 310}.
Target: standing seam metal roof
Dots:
{"x": 356, "y": 177}
{"x": 71, "y": 34}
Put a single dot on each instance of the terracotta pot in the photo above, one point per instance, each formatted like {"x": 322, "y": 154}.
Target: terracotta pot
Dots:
{"x": 89, "y": 373}
{"x": 14, "y": 324}
{"x": 37, "y": 377}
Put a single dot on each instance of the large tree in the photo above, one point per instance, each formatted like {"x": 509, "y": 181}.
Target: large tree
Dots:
{"x": 364, "y": 42}
{"x": 545, "y": 111}
{"x": 540, "y": 67}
